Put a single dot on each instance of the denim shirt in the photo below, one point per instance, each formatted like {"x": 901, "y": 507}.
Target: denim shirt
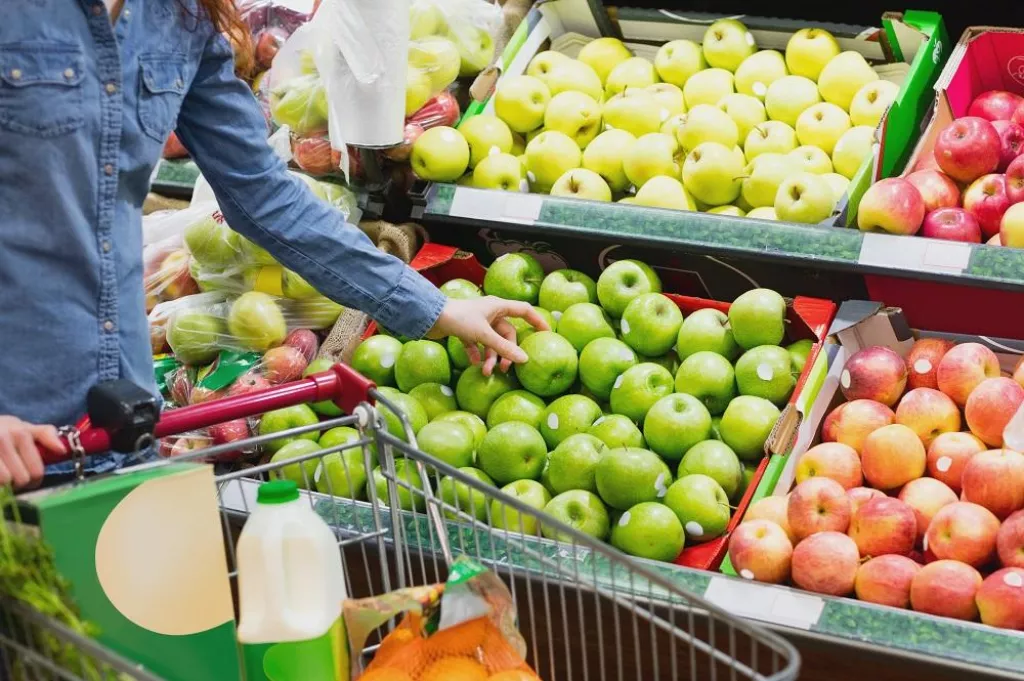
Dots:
{"x": 85, "y": 107}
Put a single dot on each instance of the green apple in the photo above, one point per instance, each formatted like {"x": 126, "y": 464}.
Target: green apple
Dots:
{"x": 440, "y": 154}
{"x": 872, "y": 101}
{"x": 716, "y": 423}
{"x": 649, "y": 530}
{"x": 343, "y": 435}
{"x": 327, "y": 407}
{"x": 759, "y": 71}
{"x": 701, "y": 505}
{"x": 457, "y": 354}
{"x": 798, "y": 354}
{"x": 342, "y": 474}
{"x": 636, "y": 111}
{"x": 772, "y": 137}
{"x": 575, "y": 114}
{"x": 517, "y": 405}
{"x": 520, "y": 101}
{"x": 528, "y": 492}
{"x": 436, "y": 398}
{"x": 256, "y": 322}
{"x": 710, "y": 378}
{"x": 545, "y": 477}
{"x": 551, "y": 367}
{"x": 746, "y": 425}
{"x": 732, "y": 211}
{"x": 764, "y": 175}
{"x": 678, "y": 60}
{"x": 763, "y": 213}
{"x": 409, "y": 486}
{"x": 524, "y": 329}
{"x": 790, "y": 96}
{"x": 633, "y": 72}
{"x": 707, "y": 123}
{"x": 315, "y": 313}
{"x": 301, "y": 104}
{"x": 486, "y": 134}
{"x": 758, "y": 317}
{"x": 296, "y": 416}
{"x": 675, "y": 423}
{"x": 581, "y": 323}
{"x": 567, "y": 416}
{"x": 500, "y": 171}
{"x": 603, "y": 55}
{"x": 425, "y": 19}
{"x": 252, "y": 254}
{"x": 563, "y": 288}
{"x": 601, "y": 362}
{"x": 670, "y": 98}
{"x": 512, "y": 451}
{"x": 615, "y": 430}
{"x": 605, "y": 156}
{"x": 447, "y": 441}
{"x": 514, "y": 276}
{"x": 822, "y": 125}
{"x": 438, "y": 57}
{"x": 476, "y": 48}
{"x": 653, "y": 154}
{"x": 303, "y": 473}
{"x": 622, "y": 281}
{"x": 580, "y": 183}
{"x": 422, "y": 361}
{"x": 838, "y": 183}
{"x": 540, "y": 66}
{"x": 581, "y": 510}
{"x": 766, "y": 371}
{"x": 843, "y": 76}
{"x": 664, "y": 192}
{"x": 476, "y": 393}
{"x": 805, "y": 198}
{"x": 629, "y": 476}
{"x": 727, "y": 43}
{"x": 650, "y": 324}
{"x": 572, "y": 464}
{"x": 808, "y": 50}
{"x": 295, "y": 287}
{"x": 708, "y": 87}
{"x": 853, "y": 147}
{"x": 709, "y": 330}
{"x": 472, "y": 421}
{"x": 670, "y": 360}
{"x": 637, "y": 389}
{"x": 465, "y": 499}
{"x": 715, "y": 460}
{"x": 408, "y": 407}
{"x": 460, "y": 289}
{"x": 196, "y": 337}
{"x": 576, "y": 76}
{"x": 548, "y": 156}
{"x": 713, "y": 174}
{"x": 417, "y": 89}
{"x": 745, "y": 111}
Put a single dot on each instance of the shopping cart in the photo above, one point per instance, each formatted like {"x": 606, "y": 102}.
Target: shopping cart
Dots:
{"x": 585, "y": 610}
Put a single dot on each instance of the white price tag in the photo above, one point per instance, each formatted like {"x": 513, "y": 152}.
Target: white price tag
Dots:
{"x": 765, "y": 602}
{"x": 915, "y": 254}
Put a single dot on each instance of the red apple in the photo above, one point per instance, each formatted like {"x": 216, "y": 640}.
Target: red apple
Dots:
{"x": 962, "y": 531}
{"x": 851, "y": 422}
{"x": 826, "y": 563}
{"x": 200, "y": 394}
{"x": 986, "y": 199}
{"x": 173, "y": 280}
{"x": 886, "y": 580}
{"x": 1000, "y": 599}
{"x": 995, "y": 105}
{"x": 1018, "y": 115}
{"x": 963, "y": 368}
{"x": 923, "y": 361}
{"x": 181, "y": 386}
{"x": 1010, "y": 541}
{"x": 995, "y": 480}
{"x": 248, "y": 383}
{"x": 230, "y": 431}
{"x": 883, "y": 526}
{"x": 990, "y": 406}
{"x": 929, "y": 413}
{"x": 402, "y": 152}
{"x": 948, "y": 454}
{"x": 818, "y": 505}
{"x": 1011, "y": 136}
{"x": 892, "y": 456}
{"x": 761, "y": 550}
{"x": 305, "y": 341}
{"x": 874, "y": 373}
{"x": 859, "y": 496}
{"x": 832, "y": 460}
{"x": 314, "y": 155}
{"x": 951, "y": 224}
{"x": 925, "y": 496}
{"x": 892, "y": 205}
{"x": 946, "y": 588}
{"x": 936, "y": 188}
{"x": 186, "y": 444}
{"x": 283, "y": 364}
{"x": 968, "y": 148}
{"x": 1015, "y": 180}
{"x": 773, "y": 508}
{"x": 441, "y": 109}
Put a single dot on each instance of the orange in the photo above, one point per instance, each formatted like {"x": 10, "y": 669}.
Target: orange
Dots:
{"x": 514, "y": 675}
{"x": 385, "y": 675}
{"x": 463, "y": 639}
{"x": 454, "y": 669}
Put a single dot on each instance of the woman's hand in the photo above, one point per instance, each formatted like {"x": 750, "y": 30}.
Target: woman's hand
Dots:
{"x": 20, "y": 461}
{"x": 483, "y": 321}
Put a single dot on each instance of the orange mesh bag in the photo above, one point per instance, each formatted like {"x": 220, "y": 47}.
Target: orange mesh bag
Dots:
{"x": 463, "y": 630}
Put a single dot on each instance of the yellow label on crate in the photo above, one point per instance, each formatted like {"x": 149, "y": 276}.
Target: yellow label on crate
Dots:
{"x": 268, "y": 280}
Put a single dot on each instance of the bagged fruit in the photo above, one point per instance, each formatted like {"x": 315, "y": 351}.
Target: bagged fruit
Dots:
{"x": 465, "y": 628}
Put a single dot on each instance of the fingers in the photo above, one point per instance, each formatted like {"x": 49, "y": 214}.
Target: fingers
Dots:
{"x": 30, "y": 458}
{"x": 515, "y": 308}
{"x": 472, "y": 351}
{"x": 504, "y": 347}
{"x": 489, "y": 362}
{"x": 508, "y": 332}
{"x": 15, "y": 471}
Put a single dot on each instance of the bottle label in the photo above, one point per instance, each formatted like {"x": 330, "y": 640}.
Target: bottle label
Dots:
{"x": 324, "y": 658}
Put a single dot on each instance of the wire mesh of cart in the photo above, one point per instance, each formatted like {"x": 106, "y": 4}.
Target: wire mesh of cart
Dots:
{"x": 586, "y": 611}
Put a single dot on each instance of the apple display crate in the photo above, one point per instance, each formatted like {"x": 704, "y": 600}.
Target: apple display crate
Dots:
{"x": 585, "y": 610}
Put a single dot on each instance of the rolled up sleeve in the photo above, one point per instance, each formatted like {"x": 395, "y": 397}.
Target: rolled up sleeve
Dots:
{"x": 221, "y": 125}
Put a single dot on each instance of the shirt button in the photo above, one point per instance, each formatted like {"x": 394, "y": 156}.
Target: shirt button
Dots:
{"x": 111, "y": 88}
{"x": 106, "y": 246}
{"x": 69, "y": 73}
{"x": 16, "y": 74}
{"x": 126, "y": 13}
{"x": 97, "y": 10}
{"x": 108, "y": 326}
{"x": 108, "y": 169}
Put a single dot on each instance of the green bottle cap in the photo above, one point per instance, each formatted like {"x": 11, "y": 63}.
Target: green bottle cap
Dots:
{"x": 277, "y": 492}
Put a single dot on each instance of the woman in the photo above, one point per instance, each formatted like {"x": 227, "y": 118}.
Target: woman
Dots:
{"x": 89, "y": 91}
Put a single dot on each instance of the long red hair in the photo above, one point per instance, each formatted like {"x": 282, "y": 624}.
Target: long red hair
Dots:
{"x": 225, "y": 18}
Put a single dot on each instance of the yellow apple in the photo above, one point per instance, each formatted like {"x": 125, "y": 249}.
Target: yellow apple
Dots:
{"x": 808, "y": 50}
{"x": 712, "y": 174}
{"x": 871, "y": 101}
{"x": 635, "y": 111}
{"x": 476, "y": 48}
{"x": 664, "y": 192}
{"x": 603, "y": 55}
{"x": 417, "y": 90}
{"x": 499, "y": 171}
{"x": 634, "y": 72}
{"x": 677, "y": 60}
{"x": 733, "y": 211}
{"x": 853, "y": 147}
{"x": 440, "y": 155}
{"x": 1011, "y": 227}
{"x": 727, "y": 43}
{"x": 580, "y": 183}
{"x": 672, "y": 124}
{"x": 548, "y": 156}
{"x": 772, "y": 137}
{"x": 763, "y": 213}
{"x": 843, "y": 76}
{"x": 811, "y": 160}
{"x": 669, "y": 97}
{"x": 790, "y": 96}
{"x": 708, "y": 87}
{"x": 437, "y": 57}
{"x": 822, "y": 125}
{"x": 575, "y": 114}
{"x": 543, "y": 62}
{"x": 653, "y": 154}
{"x": 575, "y": 75}
{"x": 838, "y": 183}
{"x": 486, "y": 134}
{"x": 605, "y": 155}
{"x": 425, "y": 19}
{"x": 805, "y": 198}
{"x": 706, "y": 123}
{"x": 758, "y": 71}
{"x": 764, "y": 175}
{"x": 520, "y": 101}
{"x": 746, "y": 111}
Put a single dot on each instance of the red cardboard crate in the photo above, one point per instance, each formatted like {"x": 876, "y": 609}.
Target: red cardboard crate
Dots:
{"x": 808, "y": 318}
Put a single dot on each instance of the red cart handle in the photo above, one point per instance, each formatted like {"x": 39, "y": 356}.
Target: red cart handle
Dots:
{"x": 340, "y": 384}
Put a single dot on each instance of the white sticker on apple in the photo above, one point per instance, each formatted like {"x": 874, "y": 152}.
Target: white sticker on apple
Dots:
{"x": 627, "y": 355}
{"x": 844, "y": 378}
{"x": 660, "y": 487}
{"x": 943, "y": 463}
{"x": 618, "y": 381}
{"x": 746, "y": 574}
{"x": 599, "y": 421}
{"x": 693, "y": 528}
{"x": 387, "y": 360}
{"x": 1013, "y": 579}
{"x": 922, "y": 366}
{"x": 624, "y": 520}
{"x": 524, "y": 186}
{"x": 494, "y": 150}
{"x": 625, "y": 326}
{"x": 759, "y": 88}
{"x": 750, "y": 38}
{"x": 446, "y": 391}
{"x": 530, "y": 176}
{"x": 764, "y": 372}
{"x": 553, "y": 421}
{"x": 556, "y": 315}
{"x": 448, "y": 135}
{"x": 318, "y": 472}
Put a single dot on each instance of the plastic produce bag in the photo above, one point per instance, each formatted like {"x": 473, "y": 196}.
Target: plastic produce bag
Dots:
{"x": 271, "y": 23}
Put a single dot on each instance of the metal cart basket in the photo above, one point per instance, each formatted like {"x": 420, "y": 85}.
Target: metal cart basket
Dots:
{"x": 585, "y": 610}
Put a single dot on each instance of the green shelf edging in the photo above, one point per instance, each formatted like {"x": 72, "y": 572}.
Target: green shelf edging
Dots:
{"x": 178, "y": 174}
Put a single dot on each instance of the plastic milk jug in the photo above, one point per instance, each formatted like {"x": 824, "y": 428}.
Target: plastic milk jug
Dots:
{"x": 290, "y": 591}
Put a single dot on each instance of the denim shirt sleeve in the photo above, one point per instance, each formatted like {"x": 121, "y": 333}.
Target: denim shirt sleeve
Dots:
{"x": 222, "y": 127}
